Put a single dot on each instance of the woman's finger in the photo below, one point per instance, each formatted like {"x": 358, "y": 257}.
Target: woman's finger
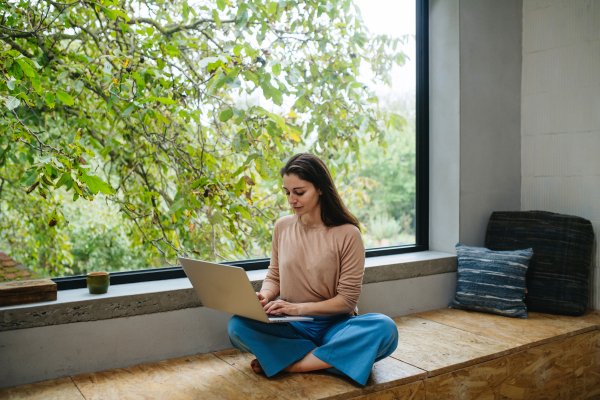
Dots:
{"x": 275, "y": 307}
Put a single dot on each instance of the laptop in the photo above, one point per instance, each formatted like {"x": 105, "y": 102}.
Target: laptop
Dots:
{"x": 227, "y": 288}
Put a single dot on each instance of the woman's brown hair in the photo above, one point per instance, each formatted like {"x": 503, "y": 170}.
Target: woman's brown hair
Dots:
{"x": 311, "y": 168}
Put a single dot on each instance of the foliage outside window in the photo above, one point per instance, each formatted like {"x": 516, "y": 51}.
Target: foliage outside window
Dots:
{"x": 135, "y": 131}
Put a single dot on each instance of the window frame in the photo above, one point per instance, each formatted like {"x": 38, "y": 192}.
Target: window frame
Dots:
{"x": 422, "y": 182}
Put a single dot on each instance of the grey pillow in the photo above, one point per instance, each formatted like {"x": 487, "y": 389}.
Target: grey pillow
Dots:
{"x": 491, "y": 281}
{"x": 558, "y": 277}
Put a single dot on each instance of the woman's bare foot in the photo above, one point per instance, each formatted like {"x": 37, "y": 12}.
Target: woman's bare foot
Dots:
{"x": 255, "y": 365}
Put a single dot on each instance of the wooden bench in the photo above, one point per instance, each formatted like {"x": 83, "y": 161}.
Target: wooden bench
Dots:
{"x": 442, "y": 354}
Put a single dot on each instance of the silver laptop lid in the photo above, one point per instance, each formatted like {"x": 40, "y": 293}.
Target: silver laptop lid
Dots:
{"x": 224, "y": 288}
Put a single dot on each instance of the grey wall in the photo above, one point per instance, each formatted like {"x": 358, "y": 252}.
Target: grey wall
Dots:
{"x": 561, "y": 112}
{"x": 490, "y": 113}
{"x": 475, "y": 117}
{"x": 444, "y": 124}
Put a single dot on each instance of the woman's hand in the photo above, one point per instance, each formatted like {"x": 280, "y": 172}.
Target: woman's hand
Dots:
{"x": 283, "y": 307}
{"x": 262, "y": 298}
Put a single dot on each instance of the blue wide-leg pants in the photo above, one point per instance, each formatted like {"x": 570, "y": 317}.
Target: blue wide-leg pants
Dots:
{"x": 350, "y": 344}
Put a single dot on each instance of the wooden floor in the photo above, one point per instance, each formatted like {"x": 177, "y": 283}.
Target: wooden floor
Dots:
{"x": 442, "y": 354}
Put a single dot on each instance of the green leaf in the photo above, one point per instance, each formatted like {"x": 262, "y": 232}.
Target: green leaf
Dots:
{"x": 314, "y": 70}
{"x": 199, "y": 182}
{"x": 195, "y": 202}
{"x": 238, "y": 171}
{"x": 221, "y": 4}
{"x": 96, "y": 184}
{"x": 63, "y": 179}
{"x": 165, "y": 100}
{"x": 274, "y": 117}
{"x": 262, "y": 168}
{"x": 30, "y": 180}
{"x": 25, "y": 98}
{"x": 215, "y": 15}
{"x": 251, "y": 76}
{"x": 50, "y": 100}
{"x": 11, "y": 84}
{"x": 272, "y": 7}
{"x": 109, "y": 13}
{"x": 276, "y": 69}
{"x": 226, "y": 115}
{"x": 27, "y": 69}
{"x": 11, "y": 102}
{"x": 105, "y": 151}
{"x": 128, "y": 111}
{"x": 208, "y": 60}
{"x": 242, "y": 19}
{"x": 277, "y": 96}
{"x": 237, "y": 50}
{"x": 396, "y": 121}
{"x": 65, "y": 98}
{"x": 267, "y": 91}
{"x": 122, "y": 14}
{"x": 176, "y": 206}
{"x": 216, "y": 218}
{"x": 250, "y": 158}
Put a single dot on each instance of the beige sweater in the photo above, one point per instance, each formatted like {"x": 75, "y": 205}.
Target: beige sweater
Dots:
{"x": 311, "y": 265}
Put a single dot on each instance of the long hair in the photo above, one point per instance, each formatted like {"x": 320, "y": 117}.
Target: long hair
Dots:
{"x": 311, "y": 168}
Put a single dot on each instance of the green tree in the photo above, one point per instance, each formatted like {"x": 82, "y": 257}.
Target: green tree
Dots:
{"x": 138, "y": 101}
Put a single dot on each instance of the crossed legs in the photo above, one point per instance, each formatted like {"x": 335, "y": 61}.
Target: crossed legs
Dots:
{"x": 309, "y": 363}
{"x": 349, "y": 347}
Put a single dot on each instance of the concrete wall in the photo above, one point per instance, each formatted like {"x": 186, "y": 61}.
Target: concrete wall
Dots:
{"x": 38, "y": 354}
{"x": 444, "y": 125}
{"x": 475, "y": 97}
{"x": 490, "y": 113}
{"x": 560, "y": 124}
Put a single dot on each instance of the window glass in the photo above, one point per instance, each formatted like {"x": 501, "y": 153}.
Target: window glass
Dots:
{"x": 387, "y": 209}
{"x": 144, "y": 130}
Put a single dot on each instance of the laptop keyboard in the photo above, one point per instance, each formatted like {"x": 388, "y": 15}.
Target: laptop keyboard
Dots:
{"x": 278, "y": 316}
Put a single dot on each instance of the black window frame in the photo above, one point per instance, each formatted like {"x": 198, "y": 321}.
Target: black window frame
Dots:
{"x": 422, "y": 182}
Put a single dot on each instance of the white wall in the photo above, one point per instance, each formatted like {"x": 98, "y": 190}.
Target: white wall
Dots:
{"x": 560, "y": 120}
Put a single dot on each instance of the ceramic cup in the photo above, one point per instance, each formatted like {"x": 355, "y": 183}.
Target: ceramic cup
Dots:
{"x": 98, "y": 282}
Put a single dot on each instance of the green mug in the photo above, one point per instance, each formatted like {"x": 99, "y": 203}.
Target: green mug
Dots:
{"x": 98, "y": 282}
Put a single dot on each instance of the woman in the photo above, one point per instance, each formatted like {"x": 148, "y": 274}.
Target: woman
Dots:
{"x": 317, "y": 266}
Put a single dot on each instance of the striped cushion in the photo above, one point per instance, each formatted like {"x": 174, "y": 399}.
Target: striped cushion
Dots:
{"x": 491, "y": 281}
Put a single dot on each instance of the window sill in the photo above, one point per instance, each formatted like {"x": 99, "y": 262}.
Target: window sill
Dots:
{"x": 174, "y": 294}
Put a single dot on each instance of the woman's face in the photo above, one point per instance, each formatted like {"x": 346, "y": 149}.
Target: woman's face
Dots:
{"x": 302, "y": 195}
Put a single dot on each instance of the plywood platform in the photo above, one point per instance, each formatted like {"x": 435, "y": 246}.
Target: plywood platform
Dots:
{"x": 442, "y": 354}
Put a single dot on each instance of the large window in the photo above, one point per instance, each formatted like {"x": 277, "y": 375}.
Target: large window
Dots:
{"x": 135, "y": 132}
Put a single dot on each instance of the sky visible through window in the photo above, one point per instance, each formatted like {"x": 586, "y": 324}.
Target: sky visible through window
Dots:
{"x": 394, "y": 18}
